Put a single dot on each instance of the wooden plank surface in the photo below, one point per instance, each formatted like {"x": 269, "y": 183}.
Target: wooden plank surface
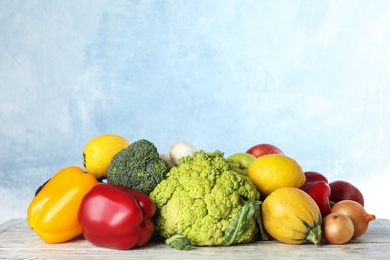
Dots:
{"x": 18, "y": 241}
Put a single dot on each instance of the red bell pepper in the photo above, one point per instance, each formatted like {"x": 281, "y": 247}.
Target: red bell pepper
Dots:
{"x": 116, "y": 216}
{"x": 317, "y": 187}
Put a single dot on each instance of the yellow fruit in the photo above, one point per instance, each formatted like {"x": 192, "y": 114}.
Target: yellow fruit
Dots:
{"x": 274, "y": 171}
{"x": 291, "y": 216}
{"x": 99, "y": 151}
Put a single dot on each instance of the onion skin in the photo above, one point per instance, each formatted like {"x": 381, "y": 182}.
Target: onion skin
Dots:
{"x": 356, "y": 212}
{"x": 337, "y": 228}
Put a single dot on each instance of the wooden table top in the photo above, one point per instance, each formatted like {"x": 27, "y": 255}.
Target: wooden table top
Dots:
{"x": 18, "y": 241}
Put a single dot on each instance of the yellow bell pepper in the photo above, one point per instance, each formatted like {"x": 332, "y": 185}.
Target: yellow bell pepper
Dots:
{"x": 52, "y": 214}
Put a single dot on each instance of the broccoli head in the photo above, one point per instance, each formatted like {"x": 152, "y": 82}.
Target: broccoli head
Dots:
{"x": 138, "y": 166}
{"x": 202, "y": 198}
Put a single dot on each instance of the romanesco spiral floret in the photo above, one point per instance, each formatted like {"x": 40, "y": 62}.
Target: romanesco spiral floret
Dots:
{"x": 200, "y": 197}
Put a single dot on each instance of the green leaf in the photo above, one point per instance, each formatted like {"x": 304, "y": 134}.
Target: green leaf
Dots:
{"x": 263, "y": 233}
{"x": 239, "y": 223}
{"x": 179, "y": 242}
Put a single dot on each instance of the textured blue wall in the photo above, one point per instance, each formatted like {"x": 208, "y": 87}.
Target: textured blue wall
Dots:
{"x": 311, "y": 77}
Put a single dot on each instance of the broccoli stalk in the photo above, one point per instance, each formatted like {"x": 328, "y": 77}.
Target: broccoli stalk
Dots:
{"x": 138, "y": 166}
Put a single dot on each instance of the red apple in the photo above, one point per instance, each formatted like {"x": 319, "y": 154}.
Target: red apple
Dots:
{"x": 343, "y": 190}
{"x": 263, "y": 149}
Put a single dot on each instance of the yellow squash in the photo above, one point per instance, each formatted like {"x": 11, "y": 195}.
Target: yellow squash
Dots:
{"x": 291, "y": 216}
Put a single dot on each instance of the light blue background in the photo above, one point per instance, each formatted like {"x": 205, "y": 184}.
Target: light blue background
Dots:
{"x": 311, "y": 77}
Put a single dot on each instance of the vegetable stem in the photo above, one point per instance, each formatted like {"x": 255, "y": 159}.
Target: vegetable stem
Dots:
{"x": 314, "y": 235}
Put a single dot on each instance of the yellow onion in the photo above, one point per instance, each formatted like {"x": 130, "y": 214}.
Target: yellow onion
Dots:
{"x": 356, "y": 212}
{"x": 337, "y": 228}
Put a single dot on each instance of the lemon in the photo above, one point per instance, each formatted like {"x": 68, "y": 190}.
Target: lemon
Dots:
{"x": 273, "y": 171}
{"x": 99, "y": 152}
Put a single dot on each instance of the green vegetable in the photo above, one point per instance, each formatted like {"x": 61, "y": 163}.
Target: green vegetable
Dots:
{"x": 205, "y": 200}
{"x": 138, "y": 166}
{"x": 240, "y": 223}
{"x": 179, "y": 242}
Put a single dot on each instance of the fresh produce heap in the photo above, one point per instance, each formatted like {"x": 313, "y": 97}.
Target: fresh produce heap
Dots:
{"x": 128, "y": 192}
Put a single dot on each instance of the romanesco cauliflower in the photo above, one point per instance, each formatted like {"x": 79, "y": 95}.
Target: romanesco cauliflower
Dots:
{"x": 201, "y": 199}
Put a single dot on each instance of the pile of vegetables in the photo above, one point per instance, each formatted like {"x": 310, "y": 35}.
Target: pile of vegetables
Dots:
{"x": 188, "y": 197}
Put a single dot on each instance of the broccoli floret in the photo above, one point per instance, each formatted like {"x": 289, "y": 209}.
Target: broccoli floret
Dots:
{"x": 138, "y": 166}
{"x": 200, "y": 198}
